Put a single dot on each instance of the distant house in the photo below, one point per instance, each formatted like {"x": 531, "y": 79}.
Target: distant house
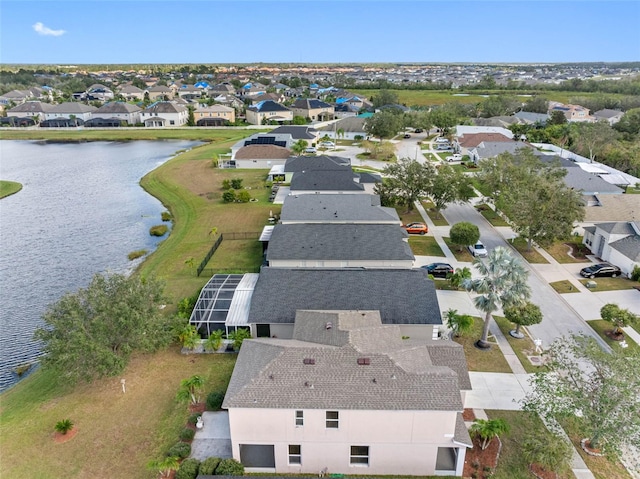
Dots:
{"x": 298, "y": 132}
{"x": 119, "y": 111}
{"x": 350, "y": 396}
{"x": 163, "y": 114}
{"x": 277, "y": 97}
{"x": 611, "y": 116}
{"x": 344, "y": 111}
{"x": 615, "y": 242}
{"x": 99, "y": 92}
{"x": 214, "y": 115}
{"x": 132, "y": 93}
{"x": 160, "y": 92}
{"x": 339, "y": 246}
{"x": 261, "y": 156}
{"x": 315, "y": 110}
{"x": 222, "y": 88}
{"x": 469, "y": 141}
{"x": 346, "y": 128}
{"x": 189, "y": 92}
{"x": 230, "y": 101}
{"x": 530, "y": 118}
{"x": 488, "y": 149}
{"x": 252, "y": 89}
{"x": 71, "y": 111}
{"x": 268, "y": 111}
{"x": 573, "y": 113}
{"x": 30, "y": 109}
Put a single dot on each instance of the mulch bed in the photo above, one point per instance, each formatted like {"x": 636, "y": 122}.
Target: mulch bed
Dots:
{"x": 542, "y": 473}
{"x": 613, "y": 336}
{"x": 60, "y": 438}
{"x": 476, "y": 460}
{"x": 468, "y": 415}
{"x": 199, "y": 407}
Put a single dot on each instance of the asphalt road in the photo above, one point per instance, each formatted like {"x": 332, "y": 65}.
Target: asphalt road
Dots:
{"x": 559, "y": 319}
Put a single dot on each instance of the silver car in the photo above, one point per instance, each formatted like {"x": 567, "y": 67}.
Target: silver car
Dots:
{"x": 478, "y": 250}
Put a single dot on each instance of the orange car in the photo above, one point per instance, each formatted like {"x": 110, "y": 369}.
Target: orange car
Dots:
{"x": 416, "y": 228}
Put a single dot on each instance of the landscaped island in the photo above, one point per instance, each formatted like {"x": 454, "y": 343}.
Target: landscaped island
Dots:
{"x": 8, "y": 188}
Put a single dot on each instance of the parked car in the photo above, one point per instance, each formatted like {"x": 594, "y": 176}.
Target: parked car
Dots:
{"x": 416, "y": 228}
{"x": 443, "y": 146}
{"x": 478, "y": 250}
{"x": 442, "y": 139}
{"x": 311, "y": 149}
{"x": 407, "y": 135}
{"x": 327, "y": 144}
{"x": 418, "y": 130}
{"x": 454, "y": 157}
{"x": 602, "y": 269}
{"x": 438, "y": 270}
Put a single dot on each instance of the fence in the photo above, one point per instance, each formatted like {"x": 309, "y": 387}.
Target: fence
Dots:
{"x": 228, "y": 236}
{"x": 206, "y": 259}
{"x": 244, "y": 235}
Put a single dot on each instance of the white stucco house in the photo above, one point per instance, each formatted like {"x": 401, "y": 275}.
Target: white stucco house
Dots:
{"x": 617, "y": 243}
{"x": 164, "y": 113}
{"x": 123, "y": 112}
{"x": 348, "y": 395}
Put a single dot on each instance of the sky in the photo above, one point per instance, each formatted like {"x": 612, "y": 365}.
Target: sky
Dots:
{"x": 73, "y": 32}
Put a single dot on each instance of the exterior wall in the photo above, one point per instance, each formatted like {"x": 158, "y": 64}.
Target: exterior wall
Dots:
{"x": 258, "y": 163}
{"x": 255, "y": 118}
{"x": 156, "y": 95}
{"x": 400, "y": 442}
{"x": 227, "y": 115}
{"x": 292, "y": 263}
{"x": 620, "y": 260}
{"x": 82, "y": 116}
{"x": 130, "y": 118}
{"x": 178, "y": 119}
{"x": 313, "y": 114}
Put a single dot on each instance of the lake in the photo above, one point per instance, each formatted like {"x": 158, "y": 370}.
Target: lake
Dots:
{"x": 81, "y": 211}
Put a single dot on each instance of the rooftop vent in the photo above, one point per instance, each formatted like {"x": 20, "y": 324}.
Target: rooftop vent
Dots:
{"x": 329, "y": 325}
{"x": 308, "y": 361}
{"x": 364, "y": 361}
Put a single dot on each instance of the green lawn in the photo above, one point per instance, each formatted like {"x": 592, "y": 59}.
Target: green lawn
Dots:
{"x": 461, "y": 255}
{"x": 435, "y": 215}
{"x": 9, "y": 188}
{"x": 425, "y": 246}
{"x": 632, "y": 190}
{"x": 611, "y": 284}
{"x": 564, "y": 287}
{"x": 522, "y": 347}
{"x": 560, "y": 251}
{"x": 490, "y": 360}
{"x": 532, "y": 256}
{"x": 480, "y": 186}
{"x": 601, "y": 327}
{"x": 491, "y": 216}
{"x": 412, "y": 216}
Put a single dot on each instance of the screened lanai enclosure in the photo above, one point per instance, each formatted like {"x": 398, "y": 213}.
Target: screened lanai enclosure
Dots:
{"x": 224, "y": 303}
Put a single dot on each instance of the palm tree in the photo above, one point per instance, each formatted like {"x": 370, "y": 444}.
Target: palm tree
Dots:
{"x": 459, "y": 276}
{"x": 164, "y": 466}
{"x": 503, "y": 284}
{"x": 458, "y": 323}
{"x": 299, "y": 146}
{"x": 214, "y": 341}
{"x": 190, "y": 389}
{"x": 64, "y": 426}
{"x": 487, "y": 429}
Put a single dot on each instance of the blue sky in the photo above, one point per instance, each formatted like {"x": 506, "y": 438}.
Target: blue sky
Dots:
{"x": 219, "y": 31}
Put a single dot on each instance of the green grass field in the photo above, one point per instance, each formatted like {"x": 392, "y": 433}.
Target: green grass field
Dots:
{"x": 9, "y": 188}
{"x": 490, "y": 360}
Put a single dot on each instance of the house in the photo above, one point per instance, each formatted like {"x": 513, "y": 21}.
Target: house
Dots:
{"x": 339, "y": 209}
{"x": 603, "y": 208}
{"x": 261, "y": 156}
{"x": 344, "y": 111}
{"x": 189, "y": 92}
{"x": 132, "y": 93}
{"x": 339, "y": 246}
{"x": 252, "y": 89}
{"x": 491, "y": 149}
{"x": 99, "y": 92}
{"x": 350, "y": 396}
{"x": 285, "y": 140}
{"x": 611, "y": 116}
{"x": 573, "y": 113}
{"x": 314, "y": 110}
{"x": 163, "y": 114}
{"x": 160, "y": 92}
{"x": 328, "y": 182}
{"x": 30, "y": 109}
{"x": 268, "y": 111}
{"x": 70, "y": 110}
{"x": 530, "y": 118}
{"x": 278, "y": 98}
{"x": 223, "y": 88}
{"x": 120, "y": 111}
{"x": 348, "y": 128}
{"x": 280, "y": 292}
{"x": 214, "y": 115}
{"x": 588, "y": 182}
{"x": 298, "y": 132}
{"x": 230, "y": 101}
{"x": 615, "y": 242}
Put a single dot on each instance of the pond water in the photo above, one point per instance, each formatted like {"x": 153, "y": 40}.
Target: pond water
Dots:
{"x": 81, "y": 211}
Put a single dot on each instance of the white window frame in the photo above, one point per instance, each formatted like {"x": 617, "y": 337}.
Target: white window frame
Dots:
{"x": 295, "y": 458}
{"x": 332, "y": 422}
{"x": 299, "y": 415}
{"x": 358, "y": 460}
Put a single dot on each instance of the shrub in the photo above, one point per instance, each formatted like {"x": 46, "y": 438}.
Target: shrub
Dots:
{"x": 158, "y": 230}
{"x": 358, "y": 138}
{"x": 179, "y": 450}
{"x": 214, "y": 400}
{"x": 243, "y": 196}
{"x": 193, "y": 419}
{"x": 188, "y": 469}
{"x": 64, "y": 426}
{"x": 226, "y": 184}
{"x": 236, "y": 183}
{"x": 229, "y": 196}
{"x": 136, "y": 254}
{"x": 209, "y": 465}
{"x": 166, "y": 216}
{"x": 229, "y": 467}
{"x": 187, "y": 434}
{"x": 635, "y": 274}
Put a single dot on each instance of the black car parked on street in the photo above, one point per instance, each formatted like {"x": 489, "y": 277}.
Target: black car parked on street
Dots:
{"x": 438, "y": 270}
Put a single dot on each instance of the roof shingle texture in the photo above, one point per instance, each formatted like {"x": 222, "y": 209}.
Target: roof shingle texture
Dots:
{"x": 251, "y": 152}
{"x": 332, "y": 180}
{"x": 337, "y": 208}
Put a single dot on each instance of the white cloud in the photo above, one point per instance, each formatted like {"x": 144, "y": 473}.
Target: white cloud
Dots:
{"x": 42, "y": 30}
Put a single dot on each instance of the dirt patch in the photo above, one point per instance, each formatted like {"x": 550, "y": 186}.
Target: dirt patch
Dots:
{"x": 480, "y": 464}
{"x": 60, "y": 438}
{"x": 542, "y": 473}
{"x": 614, "y": 336}
{"x": 198, "y": 407}
{"x": 468, "y": 415}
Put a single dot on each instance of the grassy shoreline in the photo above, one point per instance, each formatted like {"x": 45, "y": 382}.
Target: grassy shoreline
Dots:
{"x": 8, "y": 188}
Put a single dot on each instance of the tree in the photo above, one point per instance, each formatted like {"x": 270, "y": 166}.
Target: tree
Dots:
{"x": 548, "y": 450}
{"x": 214, "y": 341}
{"x": 299, "y": 120}
{"x": 443, "y": 119}
{"x": 189, "y": 337}
{"x": 619, "y": 317}
{"x": 523, "y": 314}
{"x": 459, "y": 276}
{"x": 449, "y": 186}
{"x": 503, "y": 284}
{"x": 595, "y": 389}
{"x": 557, "y": 117}
{"x": 536, "y": 104}
{"x": 190, "y": 389}
{"x": 409, "y": 180}
{"x": 299, "y": 146}
{"x": 64, "y": 426}
{"x": 384, "y": 124}
{"x": 463, "y": 234}
{"x": 487, "y": 429}
{"x": 191, "y": 120}
{"x": 164, "y": 466}
{"x": 629, "y": 123}
{"x": 458, "y": 323}
{"x": 91, "y": 333}
{"x": 384, "y": 97}
{"x": 591, "y": 139}
{"x": 238, "y": 336}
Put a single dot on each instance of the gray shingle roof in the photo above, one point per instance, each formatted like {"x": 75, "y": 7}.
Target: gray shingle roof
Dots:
{"x": 349, "y": 125}
{"x": 323, "y": 162}
{"x": 165, "y": 107}
{"x": 461, "y": 435}
{"x": 72, "y": 108}
{"x": 31, "y": 107}
{"x": 117, "y": 107}
{"x": 336, "y": 209}
{"x": 268, "y": 106}
{"x": 338, "y": 242}
{"x": 578, "y": 179}
{"x": 271, "y": 373}
{"x": 617, "y": 227}
{"x": 332, "y": 180}
{"x": 310, "y": 104}
{"x": 297, "y": 132}
{"x": 401, "y": 296}
{"x": 629, "y": 247}
{"x": 493, "y": 149}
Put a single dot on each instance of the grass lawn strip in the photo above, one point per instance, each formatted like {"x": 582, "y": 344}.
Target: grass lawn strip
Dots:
{"x": 412, "y": 216}
{"x": 491, "y": 216}
{"x": 610, "y": 284}
{"x": 490, "y": 360}
{"x": 8, "y": 188}
{"x": 522, "y": 347}
{"x": 564, "y": 287}
{"x": 463, "y": 256}
{"x": 435, "y": 216}
{"x": 532, "y": 256}
{"x": 425, "y": 246}
{"x": 117, "y": 433}
{"x": 601, "y": 327}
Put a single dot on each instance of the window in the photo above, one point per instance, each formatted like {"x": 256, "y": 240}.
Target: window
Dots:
{"x": 359, "y": 456}
{"x": 172, "y": 122}
{"x": 332, "y": 419}
{"x": 299, "y": 418}
{"x": 294, "y": 454}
